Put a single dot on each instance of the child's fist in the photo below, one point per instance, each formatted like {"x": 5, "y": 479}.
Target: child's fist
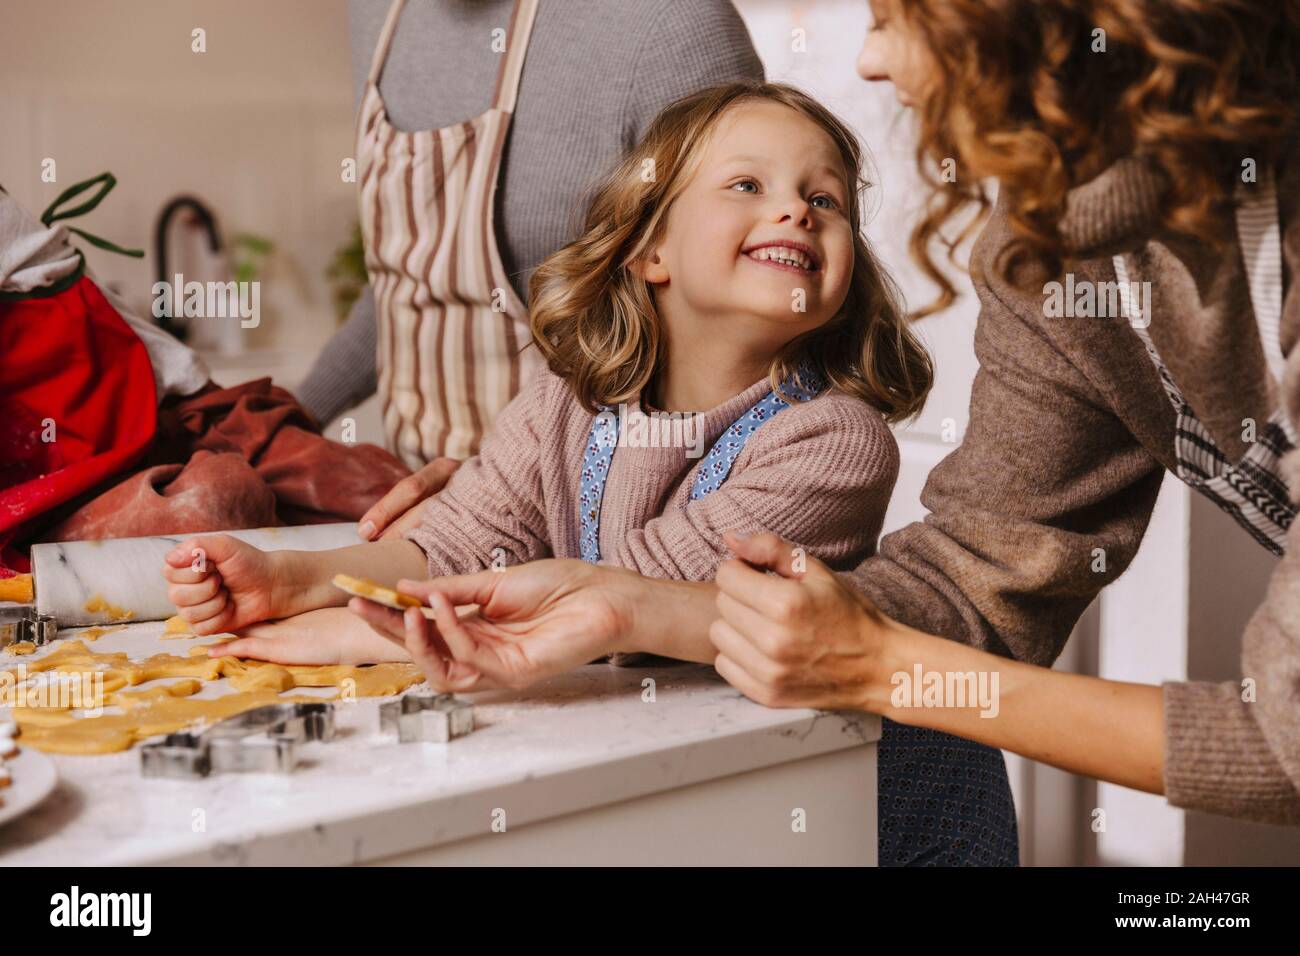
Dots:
{"x": 219, "y": 583}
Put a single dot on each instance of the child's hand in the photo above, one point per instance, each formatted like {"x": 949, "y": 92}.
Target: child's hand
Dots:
{"x": 326, "y": 636}
{"x": 219, "y": 583}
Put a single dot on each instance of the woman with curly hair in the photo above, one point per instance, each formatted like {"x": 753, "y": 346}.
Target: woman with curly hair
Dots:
{"x": 1145, "y": 154}
{"x": 1138, "y": 314}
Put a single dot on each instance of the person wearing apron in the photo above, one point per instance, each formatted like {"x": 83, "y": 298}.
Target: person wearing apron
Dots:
{"x": 942, "y": 800}
{"x": 452, "y": 330}
{"x": 427, "y": 195}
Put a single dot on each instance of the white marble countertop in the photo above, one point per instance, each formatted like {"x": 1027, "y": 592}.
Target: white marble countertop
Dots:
{"x": 584, "y": 740}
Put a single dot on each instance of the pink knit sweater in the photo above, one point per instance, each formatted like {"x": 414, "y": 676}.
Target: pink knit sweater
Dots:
{"x": 820, "y": 474}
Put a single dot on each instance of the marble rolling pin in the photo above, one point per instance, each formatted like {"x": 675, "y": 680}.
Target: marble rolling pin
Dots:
{"x": 109, "y": 582}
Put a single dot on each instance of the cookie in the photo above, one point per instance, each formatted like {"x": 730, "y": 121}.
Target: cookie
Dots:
{"x": 360, "y": 587}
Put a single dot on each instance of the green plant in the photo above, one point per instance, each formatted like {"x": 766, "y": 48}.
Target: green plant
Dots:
{"x": 248, "y": 255}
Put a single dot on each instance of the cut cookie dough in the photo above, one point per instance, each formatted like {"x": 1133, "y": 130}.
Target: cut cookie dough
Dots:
{"x": 131, "y": 699}
{"x": 61, "y": 733}
{"x": 177, "y": 627}
{"x": 73, "y": 656}
{"x": 18, "y": 588}
{"x": 375, "y": 680}
{"x": 97, "y": 605}
{"x": 95, "y": 633}
{"x": 21, "y": 648}
{"x": 173, "y": 707}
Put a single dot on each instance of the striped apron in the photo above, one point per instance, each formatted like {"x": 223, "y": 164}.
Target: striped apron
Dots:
{"x": 1251, "y": 490}
{"x": 452, "y": 330}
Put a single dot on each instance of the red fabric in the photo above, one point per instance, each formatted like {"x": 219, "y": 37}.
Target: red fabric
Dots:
{"x": 71, "y": 360}
{"x": 242, "y": 457}
{"x": 220, "y": 459}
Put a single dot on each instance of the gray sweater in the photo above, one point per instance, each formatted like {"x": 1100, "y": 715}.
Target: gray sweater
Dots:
{"x": 1070, "y": 435}
{"x": 596, "y": 74}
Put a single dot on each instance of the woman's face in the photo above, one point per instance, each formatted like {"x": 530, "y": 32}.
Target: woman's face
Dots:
{"x": 893, "y": 52}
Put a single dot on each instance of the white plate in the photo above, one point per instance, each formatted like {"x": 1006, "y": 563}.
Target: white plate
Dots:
{"x": 33, "y": 777}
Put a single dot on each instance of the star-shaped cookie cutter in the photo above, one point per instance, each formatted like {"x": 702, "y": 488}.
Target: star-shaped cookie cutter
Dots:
{"x": 261, "y": 740}
{"x": 426, "y": 716}
{"x": 22, "y": 623}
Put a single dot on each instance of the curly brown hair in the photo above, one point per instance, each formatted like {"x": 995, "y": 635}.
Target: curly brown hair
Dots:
{"x": 593, "y": 317}
{"x": 1023, "y": 95}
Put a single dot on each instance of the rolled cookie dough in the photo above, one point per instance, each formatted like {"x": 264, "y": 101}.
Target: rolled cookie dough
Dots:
{"x": 176, "y": 627}
{"x": 97, "y": 605}
{"x": 18, "y": 588}
{"x": 169, "y": 708}
{"x": 95, "y": 633}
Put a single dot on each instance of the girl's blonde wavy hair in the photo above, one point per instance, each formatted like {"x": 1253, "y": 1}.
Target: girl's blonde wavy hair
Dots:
{"x": 594, "y": 318}
{"x": 1021, "y": 96}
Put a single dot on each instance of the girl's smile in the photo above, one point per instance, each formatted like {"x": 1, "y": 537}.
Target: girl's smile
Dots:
{"x": 787, "y": 254}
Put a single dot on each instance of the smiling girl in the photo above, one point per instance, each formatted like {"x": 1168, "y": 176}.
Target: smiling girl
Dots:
{"x": 722, "y": 273}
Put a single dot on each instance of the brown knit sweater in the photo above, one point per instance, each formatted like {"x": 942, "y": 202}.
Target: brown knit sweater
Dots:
{"x": 819, "y": 473}
{"x": 1070, "y": 433}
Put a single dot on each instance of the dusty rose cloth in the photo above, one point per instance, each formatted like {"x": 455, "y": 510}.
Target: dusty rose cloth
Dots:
{"x": 240, "y": 457}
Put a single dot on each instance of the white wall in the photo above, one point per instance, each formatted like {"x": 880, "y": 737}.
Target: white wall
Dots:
{"x": 256, "y": 127}
{"x": 1143, "y": 639}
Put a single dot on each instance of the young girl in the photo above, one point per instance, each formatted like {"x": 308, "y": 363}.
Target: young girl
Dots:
{"x": 722, "y": 268}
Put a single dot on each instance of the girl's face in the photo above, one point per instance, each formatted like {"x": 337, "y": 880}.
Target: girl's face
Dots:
{"x": 892, "y": 52}
{"x": 762, "y": 227}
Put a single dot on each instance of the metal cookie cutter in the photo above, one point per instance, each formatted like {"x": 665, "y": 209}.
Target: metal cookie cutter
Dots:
{"x": 261, "y": 740}
{"x": 22, "y": 623}
{"x": 424, "y": 716}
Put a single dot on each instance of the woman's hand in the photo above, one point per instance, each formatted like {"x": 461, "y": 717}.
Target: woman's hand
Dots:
{"x": 414, "y": 635}
{"x": 327, "y": 636}
{"x": 219, "y": 583}
{"x": 533, "y": 621}
{"x": 798, "y": 637}
{"x": 804, "y": 639}
{"x": 400, "y": 510}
